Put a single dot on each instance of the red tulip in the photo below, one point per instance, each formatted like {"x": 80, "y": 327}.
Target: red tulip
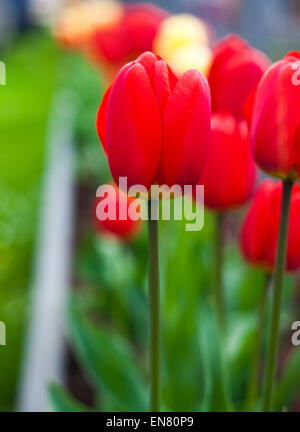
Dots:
{"x": 140, "y": 25}
{"x": 109, "y": 45}
{"x": 154, "y": 127}
{"x": 275, "y": 127}
{"x": 229, "y": 173}
{"x": 258, "y": 238}
{"x": 131, "y": 36}
{"x": 123, "y": 229}
{"x": 235, "y": 72}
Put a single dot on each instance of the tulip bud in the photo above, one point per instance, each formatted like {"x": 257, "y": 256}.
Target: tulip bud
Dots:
{"x": 275, "y": 126}
{"x": 110, "y": 223}
{"x": 229, "y": 173}
{"x": 131, "y": 35}
{"x": 259, "y": 233}
{"x": 140, "y": 26}
{"x": 153, "y": 126}
{"x": 235, "y": 72}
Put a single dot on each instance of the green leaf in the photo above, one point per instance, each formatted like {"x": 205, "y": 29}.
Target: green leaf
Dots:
{"x": 106, "y": 262}
{"x": 62, "y": 401}
{"x": 182, "y": 386}
{"x": 288, "y": 388}
{"x": 109, "y": 361}
{"x": 239, "y": 351}
{"x": 216, "y": 387}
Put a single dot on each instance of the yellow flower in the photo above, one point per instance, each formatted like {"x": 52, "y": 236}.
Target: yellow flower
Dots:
{"x": 190, "y": 57}
{"x": 183, "y": 41}
{"x": 78, "y": 21}
{"x": 180, "y": 30}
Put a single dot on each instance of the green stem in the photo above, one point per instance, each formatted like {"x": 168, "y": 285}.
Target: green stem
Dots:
{"x": 154, "y": 302}
{"x": 218, "y": 282}
{"x": 272, "y": 349}
{"x": 258, "y": 339}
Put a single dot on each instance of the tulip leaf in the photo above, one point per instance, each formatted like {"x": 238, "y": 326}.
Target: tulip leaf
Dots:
{"x": 117, "y": 263}
{"x": 62, "y": 401}
{"x": 288, "y": 388}
{"x": 239, "y": 351}
{"x": 109, "y": 362}
{"x": 216, "y": 387}
{"x": 182, "y": 386}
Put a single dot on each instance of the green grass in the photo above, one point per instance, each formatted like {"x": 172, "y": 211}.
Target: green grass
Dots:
{"x": 31, "y": 68}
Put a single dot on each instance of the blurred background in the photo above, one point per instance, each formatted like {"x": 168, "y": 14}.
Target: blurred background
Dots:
{"x": 50, "y": 165}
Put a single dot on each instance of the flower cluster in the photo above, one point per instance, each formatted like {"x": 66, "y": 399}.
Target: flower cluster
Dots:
{"x": 181, "y": 112}
{"x": 109, "y": 33}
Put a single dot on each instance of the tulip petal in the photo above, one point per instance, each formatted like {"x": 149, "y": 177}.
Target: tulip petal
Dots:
{"x": 229, "y": 158}
{"x": 249, "y": 105}
{"x": 148, "y": 59}
{"x": 133, "y": 127}
{"x": 293, "y": 249}
{"x": 260, "y": 228}
{"x": 294, "y": 54}
{"x": 276, "y": 116}
{"x": 161, "y": 84}
{"x": 123, "y": 227}
{"x": 297, "y": 148}
{"x": 173, "y": 78}
{"x": 101, "y": 118}
{"x": 259, "y": 234}
{"x": 237, "y": 81}
{"x": 235, "y": 71}
{"x": 141, "y": 22}
{"x": 186, "y": 130}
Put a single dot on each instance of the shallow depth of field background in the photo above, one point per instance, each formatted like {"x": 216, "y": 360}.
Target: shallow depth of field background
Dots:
{"x": 108, "y": 279}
